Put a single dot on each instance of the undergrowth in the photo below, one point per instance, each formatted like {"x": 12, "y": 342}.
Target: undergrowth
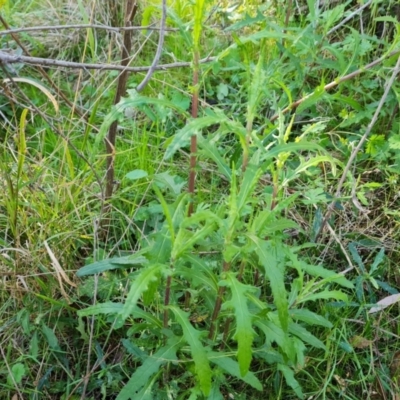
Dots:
{"x": 249, "y": 248}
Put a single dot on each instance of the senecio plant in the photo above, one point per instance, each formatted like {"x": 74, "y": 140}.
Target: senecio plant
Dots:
{"x": 219, "y": 291}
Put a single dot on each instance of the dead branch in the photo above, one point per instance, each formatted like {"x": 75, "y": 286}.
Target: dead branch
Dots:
{"x": 6, "y": 58}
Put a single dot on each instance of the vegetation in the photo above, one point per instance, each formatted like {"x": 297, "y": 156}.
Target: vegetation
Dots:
{"x": 222, "y": 228}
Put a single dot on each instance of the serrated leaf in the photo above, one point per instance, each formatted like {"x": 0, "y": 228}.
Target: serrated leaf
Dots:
{"x": 211, "y": 151}
{"x": 290, "y": 147}
{"x": 148, "y": 369}
{"x": 274, "y": 333}
{"x": 188, "y": 235}
{"x": 305, "y": 335}
{"x": 161, "y": 248}
{"x": 232, "y": 368}
{"x": 192, "y": 337}
{"x": 111, "y": 264}
{"x": 140, "y": 285}
{"x": 101, "y": 308}
{"x": 291, "y": 380}
{"x": 329, "y": 276}
{"x": 182, "y": 137}
{"x": 200, "y": 265}
{"x": 109, "y": 308}
{"x": 270, "y": 255}
{"x": 312, "y": 98}
{"x": 310, "y": 317}
{"x": 378, "y": 259}
{"x": 326, "y": 294}
{"x": 135, "y": 100}
{"x": 244, "y": 332}
{"x": 248, "y": 184}
{"x": 304, "y": 165}
{"x": 198, "y": 278}
{"x": 356, "y": 257}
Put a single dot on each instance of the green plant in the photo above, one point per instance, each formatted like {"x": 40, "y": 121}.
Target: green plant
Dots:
{"x": 231, "y": 258}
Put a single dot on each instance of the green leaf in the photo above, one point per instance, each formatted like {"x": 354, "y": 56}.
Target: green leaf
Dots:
{"x": 198, "y": 277}
{"x": 280, "y": 225}
{"x": 192, "y": 337}
{"x": 18, "y": 371}
{"x": 232, "y": 368}
{"x": 291, "y": 147}
{"x": 378, "y": 259}
{"x": 271, "y": 258}
{"x": 161, "y": 247}
{"x": 140, "y": 285}
{"x": 310, "y": 317}
{"x": 317, "y": 270}
{"x": 274, "y": 333}
{"x": 135, "y": 100}
{"x": 101, "y": 308}
{"x": 144, "y": 373}
{"x": 136, "y": 174}
{"x": 247, "y": 186}
{"x": 188, "y": 236}
{"x": 112, "y": 263}
{"x": 326, "y": 294}
{"x": 210, "y": 150}
{"x": 305, "y": 336}
{"x": 54, "y": 345}
{"x": 290, "y": 380}
{"x": 312, "y": 98}
{"x": 246, "y": 21}
{"x": 174, "y": 183}
{"x": 198, "y": 23}
{"x": 182, "y": 137}
{"x": 244, "y": 332}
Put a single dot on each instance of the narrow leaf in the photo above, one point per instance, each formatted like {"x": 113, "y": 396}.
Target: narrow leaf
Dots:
{"x": 319, "y": 271}
{"x": 326, "y": 294}
{"x": 139, "y": 286}
{"x": 291, "y": 380}
{"x": 310, "y": 317}
{"x": 192, "y": 337}
{"x": 249, "y": 181}
{"x": 232, "y": 368}
{"x": 270, "y": 255}
{"x": 244, "y": 332}
{"x": 101, "y": 308}
{"x": 305, "y": 336}
{"x": 148, "y": 369}
{"x": 110, "y": 264}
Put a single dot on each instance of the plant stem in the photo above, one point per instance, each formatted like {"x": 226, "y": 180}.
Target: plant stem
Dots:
{"x": 130, "y": 11}
{"x": 218, "y": 303}
{"x": 193, "y": 139}
{"x": 166, "y": 300}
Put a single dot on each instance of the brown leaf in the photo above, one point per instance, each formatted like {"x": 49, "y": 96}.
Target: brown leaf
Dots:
{"x": 360, "y": 342}
{"x": 385, "y": 302}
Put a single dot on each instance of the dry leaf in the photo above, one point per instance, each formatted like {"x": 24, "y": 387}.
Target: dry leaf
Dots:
{"x": 342, "y": 383}
{"x": 360, "y": 342}
{"x": 59, "y": 272}
{"x": 385, "y": 302}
